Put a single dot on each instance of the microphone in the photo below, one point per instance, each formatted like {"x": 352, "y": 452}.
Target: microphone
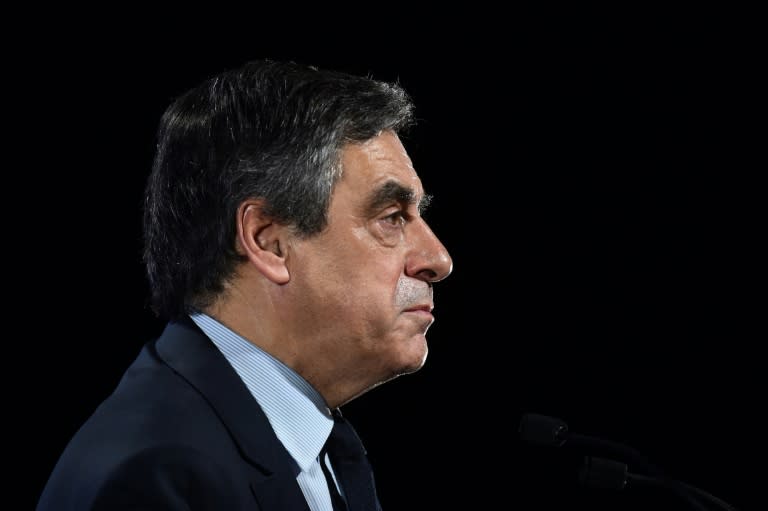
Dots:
{"x": 539, "y": 429}
{"x": 610, "y": 469}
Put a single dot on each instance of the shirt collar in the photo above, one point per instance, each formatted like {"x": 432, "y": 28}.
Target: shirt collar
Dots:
{"x": 297, "y": 412}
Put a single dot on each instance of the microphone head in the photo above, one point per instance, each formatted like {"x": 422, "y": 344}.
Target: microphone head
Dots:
{"x": 542, "y": 430}
{"x": 603, "y": 473}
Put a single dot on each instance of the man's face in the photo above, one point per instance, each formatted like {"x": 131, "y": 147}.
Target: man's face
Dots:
{"x": 365, "y": 281}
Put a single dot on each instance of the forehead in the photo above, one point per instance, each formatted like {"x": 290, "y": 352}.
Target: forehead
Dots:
{"x": 376, "y": 161}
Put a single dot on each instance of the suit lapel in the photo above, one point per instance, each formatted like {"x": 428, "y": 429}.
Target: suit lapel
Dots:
{"x": 189, "y": 352}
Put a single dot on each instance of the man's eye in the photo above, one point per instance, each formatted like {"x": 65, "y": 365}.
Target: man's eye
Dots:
{"x": 396, "y": 218}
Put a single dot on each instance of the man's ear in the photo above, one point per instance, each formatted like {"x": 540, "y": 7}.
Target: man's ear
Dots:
{"x": 262, "y": 241}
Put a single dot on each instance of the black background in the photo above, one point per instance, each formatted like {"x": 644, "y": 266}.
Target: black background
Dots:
{"x": 588, "y": 182}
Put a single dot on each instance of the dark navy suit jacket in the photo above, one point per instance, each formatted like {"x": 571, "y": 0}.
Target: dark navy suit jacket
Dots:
{"x": 180, "y": 432}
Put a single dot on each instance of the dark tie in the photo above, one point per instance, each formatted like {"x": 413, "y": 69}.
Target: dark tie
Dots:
{"x": 350, "y": 464}
{"x": 336, "y": 499}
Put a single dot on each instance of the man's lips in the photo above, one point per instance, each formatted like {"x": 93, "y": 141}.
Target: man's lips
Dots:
{"x": 427, "y": 307}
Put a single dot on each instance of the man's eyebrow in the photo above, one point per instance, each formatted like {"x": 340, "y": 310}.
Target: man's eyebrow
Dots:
{"x": 394, "y": 191}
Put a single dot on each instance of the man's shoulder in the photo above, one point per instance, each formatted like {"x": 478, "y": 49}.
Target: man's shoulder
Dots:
{"x": 152, "y": 403}
{"x": 154, "y": 425}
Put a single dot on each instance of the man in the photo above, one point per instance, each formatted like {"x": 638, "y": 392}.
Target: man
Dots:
{"x": 284, "y": 244}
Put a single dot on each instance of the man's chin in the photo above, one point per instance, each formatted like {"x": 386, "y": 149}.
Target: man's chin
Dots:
{"x": 414, "y": 359}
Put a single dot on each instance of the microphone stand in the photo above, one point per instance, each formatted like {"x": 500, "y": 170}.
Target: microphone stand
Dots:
{"x": 605, "y": 472}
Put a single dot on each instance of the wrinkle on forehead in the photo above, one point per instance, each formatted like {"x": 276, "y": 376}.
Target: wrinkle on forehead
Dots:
{"x": 378, "y": 150}
{"x": 385, "y": 148}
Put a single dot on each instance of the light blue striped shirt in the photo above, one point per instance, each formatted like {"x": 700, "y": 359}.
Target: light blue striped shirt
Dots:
{"x": 297, "y": 412}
